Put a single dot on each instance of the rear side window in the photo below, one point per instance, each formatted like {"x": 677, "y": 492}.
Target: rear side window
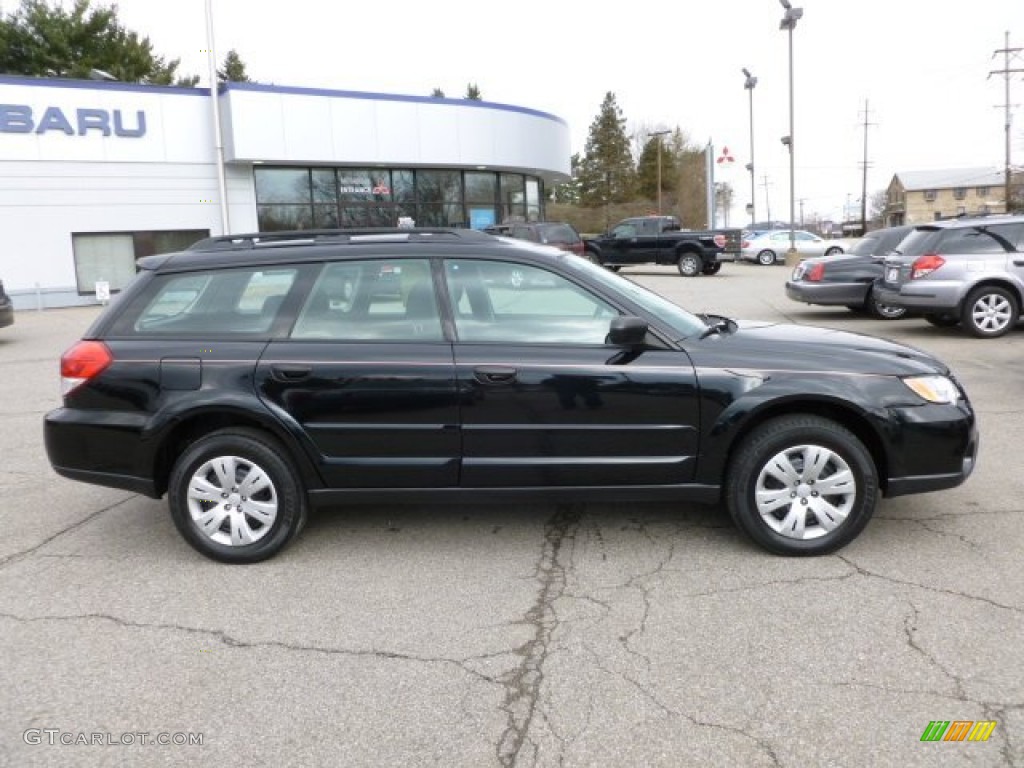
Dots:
{"x": 210, "y": 304}
{"x": 378, "y": 300}
{"x": 993, "y": 239}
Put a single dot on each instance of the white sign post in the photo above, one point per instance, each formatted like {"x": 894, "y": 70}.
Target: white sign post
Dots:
{"x": 102, "y": 292}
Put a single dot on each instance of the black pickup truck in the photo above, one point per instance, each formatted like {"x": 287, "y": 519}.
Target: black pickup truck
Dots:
{"x": 659, "y": 240}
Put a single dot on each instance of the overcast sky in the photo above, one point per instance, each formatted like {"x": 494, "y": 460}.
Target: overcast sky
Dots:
{"x": 922, "y": 65}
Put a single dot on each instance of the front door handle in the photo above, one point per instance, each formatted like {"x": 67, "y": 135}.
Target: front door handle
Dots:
{"x": 291, "y": 372}
{"x": 496, "y": 374}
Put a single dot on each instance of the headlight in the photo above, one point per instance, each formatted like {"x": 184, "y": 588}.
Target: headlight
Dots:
{"x": 934, "y": 389}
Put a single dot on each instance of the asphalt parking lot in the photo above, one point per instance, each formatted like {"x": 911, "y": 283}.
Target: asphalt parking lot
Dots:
{"x": 527, "y": 635}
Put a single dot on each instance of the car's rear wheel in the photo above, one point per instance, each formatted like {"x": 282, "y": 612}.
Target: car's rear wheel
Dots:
{"x": 882, "y": 311}
{"x": 234, "y": 498}
{"x": 713, "y": 268}
{"x": 689, "y": 264}
{"x": 990, "y": 311}
{"x": 766, "y": 258}
{"x": 802, "y": 485}
{"x": 942, "y": 319}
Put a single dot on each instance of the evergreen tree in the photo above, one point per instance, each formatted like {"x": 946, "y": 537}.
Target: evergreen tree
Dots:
{"x": 570, "y": 191}
{"x": 647, "y": 168}
{"x": 233, "y": 70}
{"x": 38, "y": 40}
{"x": 473, "y": 93}
{"x": 437, "y": 93}
{"x": 607, "y": 174}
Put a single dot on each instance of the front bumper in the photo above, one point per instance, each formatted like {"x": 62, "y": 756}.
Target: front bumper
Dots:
{"x": 938, "y": 448}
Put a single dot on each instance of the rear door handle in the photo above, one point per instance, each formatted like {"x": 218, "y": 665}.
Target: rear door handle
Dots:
{"x": 496, "y": 374}
{"x": 291, "y": 372}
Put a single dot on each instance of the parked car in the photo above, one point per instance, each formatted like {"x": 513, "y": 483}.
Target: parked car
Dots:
{"x": 6, "y": 308}
{"x": 498, "y": 229}
{"x": 770, "y": 247}
{"x": 279, "y": 378}
{"x": 662, "y": 240}
{"x": 960, "y": 271}
{"x": 848, "y": 279}
{"x": 556, "y": 233}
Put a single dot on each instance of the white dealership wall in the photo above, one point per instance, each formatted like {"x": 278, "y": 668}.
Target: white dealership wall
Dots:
{"x": 62, "y": 173}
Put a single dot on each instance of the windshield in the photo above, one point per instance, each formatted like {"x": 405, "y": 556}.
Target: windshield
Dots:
{"x": 683, "y": 323}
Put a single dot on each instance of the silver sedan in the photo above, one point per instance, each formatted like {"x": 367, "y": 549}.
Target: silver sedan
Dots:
{"x": 771, "y": 247}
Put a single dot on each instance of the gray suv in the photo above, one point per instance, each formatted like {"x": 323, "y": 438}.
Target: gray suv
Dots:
{"x": 962, "y": 271}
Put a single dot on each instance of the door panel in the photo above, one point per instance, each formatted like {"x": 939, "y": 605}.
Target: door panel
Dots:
{"x": 368, "y": 379}
{"x": 545, "y": 402}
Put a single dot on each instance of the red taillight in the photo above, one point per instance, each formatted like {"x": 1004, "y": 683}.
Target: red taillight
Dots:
{"x": 745, "y": 244}
{"x": 83, "y": 361}
{"x": 925, "y": 265}
{"x": 720, "y": 241}
{"x": 815, "y": 273}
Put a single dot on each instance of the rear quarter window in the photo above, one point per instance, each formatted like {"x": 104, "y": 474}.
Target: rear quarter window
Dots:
{"x": 209, "y": 304}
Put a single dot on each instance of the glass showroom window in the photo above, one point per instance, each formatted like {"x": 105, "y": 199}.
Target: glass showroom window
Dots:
{"x": 513, "y": 197}
{"x": 110, "y": 256}
{"x": 284, "y": 198}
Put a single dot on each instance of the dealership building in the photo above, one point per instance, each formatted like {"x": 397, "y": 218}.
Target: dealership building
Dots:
{"x": 95, "y": 174}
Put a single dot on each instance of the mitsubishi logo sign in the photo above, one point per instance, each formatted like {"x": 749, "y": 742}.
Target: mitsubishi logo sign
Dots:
{"x": 20, "y": 118}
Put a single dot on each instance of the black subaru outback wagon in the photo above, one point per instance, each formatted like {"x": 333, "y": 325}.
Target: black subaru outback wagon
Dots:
{"x": 252, "y": 377}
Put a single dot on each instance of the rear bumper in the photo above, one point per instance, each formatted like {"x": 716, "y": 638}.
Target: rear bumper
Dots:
{"x": 100, "y": 448}
{"x": 6, "y": 314}
{"x": 924, "y": 296}
{"x": 827, "y": 294}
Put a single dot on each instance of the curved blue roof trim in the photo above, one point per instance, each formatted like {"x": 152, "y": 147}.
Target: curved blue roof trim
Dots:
{"x": 107, "y": 85}
{"x": 99, "y": 85}
{"x": 258, "y": 87}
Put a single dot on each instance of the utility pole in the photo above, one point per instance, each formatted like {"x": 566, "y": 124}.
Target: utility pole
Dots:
{"x": 801, "y": 201}
{"x": 1006, "y": 71}
{"x": 767, "y": 202}
{"x": 864, "y": 177}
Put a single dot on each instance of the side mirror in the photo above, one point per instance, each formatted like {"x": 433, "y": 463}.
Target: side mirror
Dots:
{"x": 627, "y": 331}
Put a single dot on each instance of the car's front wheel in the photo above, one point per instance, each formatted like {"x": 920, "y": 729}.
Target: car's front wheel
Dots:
{"x": 801, "y": 485}
{"x": 766, "y": 258}
{"x": 234, "y": 498}
{"x": 834, "y": 251}
{"x": 689, "y": 265}
{"x": 990, "y": 311}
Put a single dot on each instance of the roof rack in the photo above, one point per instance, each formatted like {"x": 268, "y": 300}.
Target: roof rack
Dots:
{"x": 254, "y": 240}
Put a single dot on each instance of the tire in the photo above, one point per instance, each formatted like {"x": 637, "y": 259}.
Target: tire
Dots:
{"x": 613, "y": 267}
{"x": 270, "y": 517}
{"x": 790, "y": 518}
{"x": 834, "y": 251}
{"x": 712, "y": 269}
{"x": 593, "y": 258}
{"x": 990, "y": 311}
{"x": 689, "y": 265}
{"x": 766, "y": 258}
{"x": 942, "y": 319}
{"x": 881, "y": 311}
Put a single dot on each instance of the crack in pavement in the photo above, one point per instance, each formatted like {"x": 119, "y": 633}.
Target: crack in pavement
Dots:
{"x": 909, "y": 628}
{"x": 942, "y": 591}
{"x": 19, "y": 556}
{"x": 763, "y": 745}
{"x": 522, "y": 685}
{"x": 230, "y": 641}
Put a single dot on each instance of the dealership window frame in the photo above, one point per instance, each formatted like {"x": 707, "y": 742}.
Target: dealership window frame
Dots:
{"x": 126, "y": 247}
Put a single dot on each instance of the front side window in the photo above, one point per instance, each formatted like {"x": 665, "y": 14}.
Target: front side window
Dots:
{"x": 373, "y": 300}
{"x": 523, "y": 304}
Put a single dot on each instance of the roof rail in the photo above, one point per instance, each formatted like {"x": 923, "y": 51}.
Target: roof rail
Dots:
{"x": 334, "y": 236}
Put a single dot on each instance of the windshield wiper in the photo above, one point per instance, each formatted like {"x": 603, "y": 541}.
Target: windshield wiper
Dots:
{"x": 716, "y": 324}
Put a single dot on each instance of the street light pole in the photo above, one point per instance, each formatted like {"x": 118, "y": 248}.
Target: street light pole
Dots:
{"x": 658, "y": 135}
{"x": 788, "y": 23}
{"x": 749, "y": 84}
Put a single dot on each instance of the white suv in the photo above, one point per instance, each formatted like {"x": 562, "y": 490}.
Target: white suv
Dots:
{"x": 961, "y": 271}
